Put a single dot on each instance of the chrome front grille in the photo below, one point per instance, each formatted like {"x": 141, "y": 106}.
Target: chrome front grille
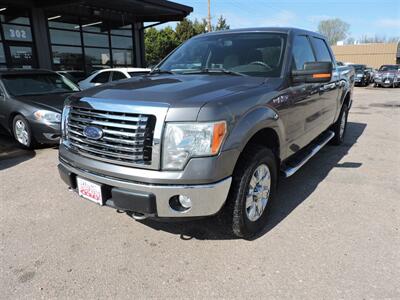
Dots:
{"x": 127, "y": 137}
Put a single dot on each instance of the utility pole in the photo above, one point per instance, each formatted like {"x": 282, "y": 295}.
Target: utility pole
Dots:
{"x": 209, "y": 16}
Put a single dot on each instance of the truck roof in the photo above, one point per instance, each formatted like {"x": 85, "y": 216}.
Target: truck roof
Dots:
{"x": 285, "y": 30}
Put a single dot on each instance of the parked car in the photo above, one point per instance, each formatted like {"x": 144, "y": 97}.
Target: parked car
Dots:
{"x": 31, "y": 103}
{"x": 371, "y": 72}
{"x": 210, "y": 129}
{"x": 362, "y": 76}
{"x": 108, "y": 75}
{"x": 387, "y": 76}
{"x": 74, "y": 75}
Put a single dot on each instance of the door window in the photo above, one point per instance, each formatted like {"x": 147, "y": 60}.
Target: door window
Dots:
{"x": 321, "y": 50}
{"x": 118, "y": 76}
{"x": 103, "y": 77}
{"x": 302, "y": 52}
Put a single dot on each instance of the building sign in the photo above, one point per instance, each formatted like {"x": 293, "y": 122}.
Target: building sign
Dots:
{"x": 17, "y": 33}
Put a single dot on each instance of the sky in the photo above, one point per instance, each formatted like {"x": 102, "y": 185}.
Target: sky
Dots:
{"x": 366, "y": 17}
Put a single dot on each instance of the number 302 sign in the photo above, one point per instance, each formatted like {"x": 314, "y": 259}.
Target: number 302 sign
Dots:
{"x": 17, "y": 34}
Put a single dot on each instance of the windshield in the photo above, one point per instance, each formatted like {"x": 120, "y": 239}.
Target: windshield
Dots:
{"x": 389, "y": 68}
{"x": 36, "y": 84}
{"x": 358, "y": 68}
{"x": 253, "y": 54}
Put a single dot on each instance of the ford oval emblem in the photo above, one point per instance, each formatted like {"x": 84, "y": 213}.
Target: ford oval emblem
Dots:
{"x": 93, "y": 132}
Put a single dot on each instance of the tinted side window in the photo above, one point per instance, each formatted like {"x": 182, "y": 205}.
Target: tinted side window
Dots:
{"x": 302, "y": 52}
{"x": 118, "y": 76}
{"x": 101, "y": 78}
{"x": 321, "y": 50}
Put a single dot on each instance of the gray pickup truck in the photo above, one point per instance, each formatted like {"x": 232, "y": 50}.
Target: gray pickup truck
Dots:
{"x": 211, "y": 129}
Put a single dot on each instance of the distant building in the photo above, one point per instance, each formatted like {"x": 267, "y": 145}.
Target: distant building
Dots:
{"x": 374, "y": 54}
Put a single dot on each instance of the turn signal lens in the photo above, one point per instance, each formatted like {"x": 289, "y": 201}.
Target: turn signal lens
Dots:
{"x": 218, "y": 137}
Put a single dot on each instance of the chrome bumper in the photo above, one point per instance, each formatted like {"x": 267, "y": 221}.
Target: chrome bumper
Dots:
{"x": 207, "y": 199}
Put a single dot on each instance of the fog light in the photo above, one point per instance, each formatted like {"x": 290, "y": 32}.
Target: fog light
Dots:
{"x": 180, "y": 203}
{"x": 185, "y": 201}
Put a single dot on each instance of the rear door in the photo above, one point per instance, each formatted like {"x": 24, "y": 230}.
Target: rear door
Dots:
{"x": 302, "y": 116}
{"x": 117, "y": 75}
{"x": 329, "y": 92}
{"x": 101, "y": 78}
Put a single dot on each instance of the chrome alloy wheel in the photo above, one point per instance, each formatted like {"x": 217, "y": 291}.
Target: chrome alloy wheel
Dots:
{"x": 258, "y": 193}
{"x": 342, "y": 124}
{"x": 21, "y": 133}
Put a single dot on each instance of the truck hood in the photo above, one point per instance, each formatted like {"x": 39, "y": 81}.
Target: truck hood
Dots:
{"x": 52, "y": 102}
{"x": 175, "y": 90}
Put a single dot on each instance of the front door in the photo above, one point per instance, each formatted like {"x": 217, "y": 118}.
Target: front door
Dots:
{"x": 20, "y": 55}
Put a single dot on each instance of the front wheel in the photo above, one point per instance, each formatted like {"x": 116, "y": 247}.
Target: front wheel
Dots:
{"x": 22, "y": 132}
{"x": 253, "y": 190}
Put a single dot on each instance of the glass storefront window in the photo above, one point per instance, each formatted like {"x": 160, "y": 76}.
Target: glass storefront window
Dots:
{"x": 121, "y": 42}
{"x": 95, "y": 40}
{"x": 62, "y": 25}
{"x": 93, "y": 26}
{"x": 2, "y": 56}
{"x": 124, "y": 30}
{"x": 15, "y": 16}
{"x": 17, "y": 33}
{"x": 67, "y": 58}
{"x": 122, "y": 57}
{"x": 65, "y": 37}
{"x": 97, "y": 56}
{"x": 21, "y": 57}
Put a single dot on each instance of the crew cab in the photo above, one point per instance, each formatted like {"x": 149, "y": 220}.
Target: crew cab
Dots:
{"x": 210, "y": 129}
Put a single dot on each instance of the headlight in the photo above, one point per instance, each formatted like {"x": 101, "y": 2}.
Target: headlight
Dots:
{"x": 183, "y": 141}
{"x": 47, "y": 116}
{"x": 64, "y": 121}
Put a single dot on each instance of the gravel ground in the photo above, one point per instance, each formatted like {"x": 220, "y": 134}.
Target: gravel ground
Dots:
{"x": 334, "y": 230}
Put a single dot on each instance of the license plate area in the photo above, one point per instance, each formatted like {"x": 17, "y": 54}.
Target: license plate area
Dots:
{"x": 90, "y": 190}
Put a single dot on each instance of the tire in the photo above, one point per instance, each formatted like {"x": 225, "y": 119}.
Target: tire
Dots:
{"x": 339, "y": 128}
{"x": 22, "y": 132}
{"x": 237, "y": 212}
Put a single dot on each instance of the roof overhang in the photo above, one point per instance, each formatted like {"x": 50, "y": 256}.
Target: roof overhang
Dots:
{"x": 135, "y": 10}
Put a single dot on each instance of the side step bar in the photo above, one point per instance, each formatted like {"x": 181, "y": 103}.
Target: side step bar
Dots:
{"x": 311, "y": 150}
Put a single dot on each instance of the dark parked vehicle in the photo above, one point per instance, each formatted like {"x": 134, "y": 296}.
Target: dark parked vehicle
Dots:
{"x": 371, "y": 73}
{"x": 210, "y": 129}
{"x": 387, "y": 76}
{"x": 31, "y": 103}
{"x": 362, "y": 75}
{"x": 73, "y": 75}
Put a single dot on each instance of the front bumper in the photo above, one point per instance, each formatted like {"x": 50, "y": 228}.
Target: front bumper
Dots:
{"x": 153, "y": 199}
{"x": 46, "y": 133}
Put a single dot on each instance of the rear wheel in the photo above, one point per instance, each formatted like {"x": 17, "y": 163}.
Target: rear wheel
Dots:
{"x": 339, "y": 128}
{"x": 253, "y": 190}
{"x": 22, "y": 132}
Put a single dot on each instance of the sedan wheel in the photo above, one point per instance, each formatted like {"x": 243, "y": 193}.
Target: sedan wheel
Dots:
{"x": 22, "y": 132}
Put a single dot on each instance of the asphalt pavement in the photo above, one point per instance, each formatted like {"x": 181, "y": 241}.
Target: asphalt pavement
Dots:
{"x": 334, "y": 231}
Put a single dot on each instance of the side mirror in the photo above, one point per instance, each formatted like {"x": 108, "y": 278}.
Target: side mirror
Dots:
{"x": 313, "y": 72}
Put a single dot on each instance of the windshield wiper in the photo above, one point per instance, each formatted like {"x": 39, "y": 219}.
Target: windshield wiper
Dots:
{"x": 214, "y": 71}
{"x": 159, "y": 71}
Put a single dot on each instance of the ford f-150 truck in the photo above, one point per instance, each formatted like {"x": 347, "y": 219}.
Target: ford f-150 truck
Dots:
{"x": 211, "y": 128}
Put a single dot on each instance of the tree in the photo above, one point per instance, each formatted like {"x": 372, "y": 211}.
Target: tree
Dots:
{"x": 200, "y": 26}
{"x": 334, "y": 29}
{"x": 185, "y": 30}
{"x": 159, "y": 43}
{"x": 222, "y": 24}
